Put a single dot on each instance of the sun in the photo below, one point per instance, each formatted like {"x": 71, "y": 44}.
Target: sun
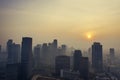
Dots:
{"x": 89, "y": 36}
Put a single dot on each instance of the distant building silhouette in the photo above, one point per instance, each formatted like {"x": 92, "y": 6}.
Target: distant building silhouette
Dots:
{"x": 49, "y": 51}
{"x": 12, "y": 71}
{"x": 37, "y": 51}
{"x": 44, "y": 50}
{"x": 81, "y": 64}
{"x": 62, "y": 63}
{"x": 97, "y": 57}
{"x": 13, "y": 51}
{"x": 0, "y": 48}
{"x": 26, "y": 58}
{"x": 9, "y": 51}
{"x": 112, "y": 52}
{"x": 76, "y": 60}
{"x": 55, "y": 43}
{"x": 112, "y": 55}
{"x": 64, "y": 48}
{"x": 16, "y": 53}
{"x": 84, "y": 68}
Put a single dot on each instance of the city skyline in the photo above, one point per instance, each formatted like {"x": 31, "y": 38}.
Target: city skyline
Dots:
{"x": 75, "y": 23}
{"x": 53, "y": 62}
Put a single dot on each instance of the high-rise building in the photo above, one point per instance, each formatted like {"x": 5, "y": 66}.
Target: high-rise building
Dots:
{"x": 16, "y": 53}
{"x": 64, "y": 48}
{"x": 55, "y": 43}
{"x": 12, "y": 72}
{"x": 112, "y": 52}
{"x": 44, "y": 53}
{"x": 81, "y": 64}
{"x": 112, "y": 55}
{"x": 13, "y": 60}
{"x": 76, "y": 60}
{"x": 44, "y": 49}
{"x": 37, "y": 56}
{"x": 0, "y": 49}
{"x": 9, "y": 51}
{"x": 97, "y": 57}
{"x": 84, "y": 68}
{"x": 62, "y": 63}
{"x": 13, "y": 51}
{"x": 26, "y": 58}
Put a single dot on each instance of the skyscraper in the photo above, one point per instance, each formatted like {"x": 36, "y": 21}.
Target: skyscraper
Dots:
{"x": 16, "y": 53}
{"x": 62, "y": 63}
{"x": 55, "y": 44}
{"x": 112, "y": 55}
{"x": 13, "y": 51}
{"x": 64, "y": 48}
{"x": 97, "y": 57}
{"x": 26, "y": 58}
{"x": 44, "y": 55}
{"x": 37, "y": 56}
{"x": 76, "y": 60}
{"x": 84, "y": 68}
{"x": 0, "y": 49}
{"x": 9, "y": 51}
{"x": 12, "y": 67}
{"x": 81, "y": 64}
{"x": 112, "y": 52}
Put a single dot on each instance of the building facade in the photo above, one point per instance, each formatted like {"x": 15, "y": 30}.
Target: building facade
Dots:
{"x": 97, "y": 57}
{"x": 26, "y": 58}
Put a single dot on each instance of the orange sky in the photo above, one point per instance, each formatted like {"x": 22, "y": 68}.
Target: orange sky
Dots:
{"x": 66, "y": 20}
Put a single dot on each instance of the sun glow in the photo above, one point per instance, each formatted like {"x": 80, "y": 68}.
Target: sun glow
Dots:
{"x": 89, "y": 36}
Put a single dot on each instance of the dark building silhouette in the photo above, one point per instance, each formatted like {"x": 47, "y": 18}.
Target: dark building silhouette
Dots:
{"x": 84, "y": 68}
{"x": 26, "y": 58}
{"x": 13, "y": 60}
{"x": 64, "y": 48}
{"x": 2, "y": 67}
{"x": 13, "y": 71}
{"x": 13, "y": 51}
{"x": 44, "y": 53}
{"x": 37, "y": 51}
{"x": 76, "y": 60}
{"x": 62, "y": 63}
{"x": 9, "y": 51}
{"x": 112, "y": 55}
{"x": 16, "y": 53}
{"x": 55, "y": 44}
{"x": 81, "y": 64}
{"x": 0, "y": 48}
{"x": 97, "y": 57}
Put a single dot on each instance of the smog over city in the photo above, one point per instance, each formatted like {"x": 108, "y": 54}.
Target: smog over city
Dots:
{"x": 59, "y": 40}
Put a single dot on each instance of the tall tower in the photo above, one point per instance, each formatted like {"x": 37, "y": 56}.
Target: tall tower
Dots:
{"x": 55, "y": 43}
{"x": 97, "y": 57}
{"x": 12, "y": 67}
{"x": 76, "y": 60}
{"x": 26, "y": 58}
{"x": 0, "y": 49}
{"x": 62, "y": 63}
{"x": 84, "y": 68}
{"x": 9, "y": 51}
{"x": 112, "y": 55}
{"x": 112, "y": 52}
{"x": 16, "y": 53}
{"x": 37, "y": 51}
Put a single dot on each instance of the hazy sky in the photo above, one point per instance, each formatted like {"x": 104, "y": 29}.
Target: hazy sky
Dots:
{"x": 66, "y": 20}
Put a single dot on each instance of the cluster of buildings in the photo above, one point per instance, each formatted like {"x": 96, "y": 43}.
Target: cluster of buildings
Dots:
{"x": 47, "y": 59}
